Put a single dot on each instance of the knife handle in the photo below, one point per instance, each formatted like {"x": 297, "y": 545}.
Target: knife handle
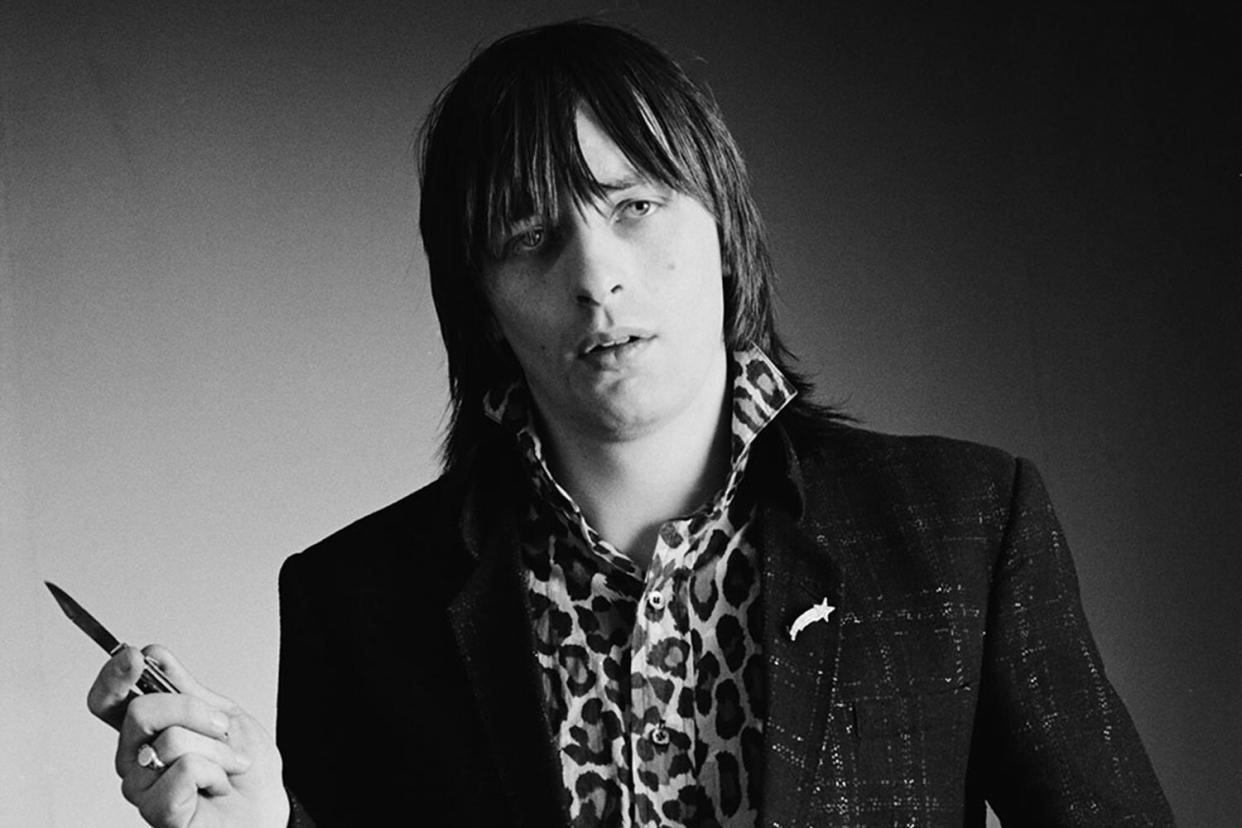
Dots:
{"x": 153, "y": 679}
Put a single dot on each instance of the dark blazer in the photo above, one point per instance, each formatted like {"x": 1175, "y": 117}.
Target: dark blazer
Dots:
{"x": 957, "y": 666}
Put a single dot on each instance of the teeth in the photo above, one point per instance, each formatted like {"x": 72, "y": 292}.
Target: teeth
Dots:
{"x": 612, "y": 343}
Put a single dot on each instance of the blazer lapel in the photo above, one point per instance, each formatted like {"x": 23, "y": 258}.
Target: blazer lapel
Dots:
{"x": 493, "y": 632}
{"x": 797, "y": 574}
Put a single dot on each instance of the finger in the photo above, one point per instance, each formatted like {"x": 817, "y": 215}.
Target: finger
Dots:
{"x": 136, "y": 782}
{"x": 175, "y": 742}
{"x": 181, "y": 677}
{"x": 170, "y": 802}
{"x": 109, "y": 694}
{"x": 150, "y": 714}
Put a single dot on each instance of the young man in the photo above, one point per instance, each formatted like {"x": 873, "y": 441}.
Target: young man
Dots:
{"x": 655, "y": 584}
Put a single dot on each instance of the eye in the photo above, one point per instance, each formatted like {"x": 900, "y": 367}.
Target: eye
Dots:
{"x": 527, "y": 241}
{"x": 639, "y": 207}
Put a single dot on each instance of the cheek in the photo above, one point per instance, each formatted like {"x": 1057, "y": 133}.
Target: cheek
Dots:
{"x": 504, "y": 300}
{"x": 705, "y": 249}
{"x": 525, "y": 324}
{"x": 708, "y": 283}
{"x": 691, "y": 266}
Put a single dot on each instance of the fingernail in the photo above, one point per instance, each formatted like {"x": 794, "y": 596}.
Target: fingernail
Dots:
{"x": 221, "y": 723}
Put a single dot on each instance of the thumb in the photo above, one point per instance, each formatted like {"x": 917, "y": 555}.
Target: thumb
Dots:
{"x": 111, "y": 691}
{"x": 181, "y": 677}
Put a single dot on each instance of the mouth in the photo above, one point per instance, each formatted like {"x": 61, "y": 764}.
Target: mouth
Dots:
{"x": 609, "y": 343}
{"x": 609, "y": 348}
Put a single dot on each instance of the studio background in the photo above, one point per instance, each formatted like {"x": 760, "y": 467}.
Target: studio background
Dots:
{"x": 1008, "y": 223}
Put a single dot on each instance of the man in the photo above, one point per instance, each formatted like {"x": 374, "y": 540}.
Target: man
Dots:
{"x": 655, "y": 584}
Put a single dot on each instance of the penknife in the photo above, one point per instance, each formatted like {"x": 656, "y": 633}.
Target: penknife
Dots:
{"x": 152, "y": 679}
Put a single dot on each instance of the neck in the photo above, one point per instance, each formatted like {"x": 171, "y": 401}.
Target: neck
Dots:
{"x": 628, "y": 488}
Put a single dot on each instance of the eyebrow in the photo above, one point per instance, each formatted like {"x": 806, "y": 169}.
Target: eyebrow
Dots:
{"x": 625, "y": 182}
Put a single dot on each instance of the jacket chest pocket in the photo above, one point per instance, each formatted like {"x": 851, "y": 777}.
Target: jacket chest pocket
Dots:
{"x": 911, "y": 682}
{"x": 930, "y": 651}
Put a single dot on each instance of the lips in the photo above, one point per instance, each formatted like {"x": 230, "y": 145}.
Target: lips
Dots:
{"x": 610, "y": 343}
{"x": 609, "y": 349}
{"x": 617, "y": 338}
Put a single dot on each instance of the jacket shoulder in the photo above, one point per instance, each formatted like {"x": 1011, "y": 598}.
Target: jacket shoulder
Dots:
{"x": 912, "y": 477}
{"x": 419, "y": 530}
{"x": 911, "y": 458}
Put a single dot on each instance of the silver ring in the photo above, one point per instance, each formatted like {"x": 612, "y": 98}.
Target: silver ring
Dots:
{"x": 148, "y": 758}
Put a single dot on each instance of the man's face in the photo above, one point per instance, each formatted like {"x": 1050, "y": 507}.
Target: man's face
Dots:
{"x": 615, "y": 309}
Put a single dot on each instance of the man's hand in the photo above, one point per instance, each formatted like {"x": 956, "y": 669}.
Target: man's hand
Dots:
{"x": 215, "y": 766}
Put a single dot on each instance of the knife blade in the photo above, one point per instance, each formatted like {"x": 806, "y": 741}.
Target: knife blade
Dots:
{"x": 152, "y": 679}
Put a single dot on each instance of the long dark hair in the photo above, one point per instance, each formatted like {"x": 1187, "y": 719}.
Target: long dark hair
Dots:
{"x": 500, "y": 144}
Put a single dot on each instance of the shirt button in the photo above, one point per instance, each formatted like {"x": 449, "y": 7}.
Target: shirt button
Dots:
{"x": 659, "y": 736}
{"x": 656, "y": 601}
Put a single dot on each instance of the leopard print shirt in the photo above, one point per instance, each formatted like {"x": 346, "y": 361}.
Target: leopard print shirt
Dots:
{"x": 653, "y": 678}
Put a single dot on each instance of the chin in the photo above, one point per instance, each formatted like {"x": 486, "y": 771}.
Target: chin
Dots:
{"x": 619, "y": 420}
{"x": 616, "y": 427}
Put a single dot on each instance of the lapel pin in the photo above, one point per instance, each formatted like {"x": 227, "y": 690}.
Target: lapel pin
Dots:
{"x": 819, "y": 612}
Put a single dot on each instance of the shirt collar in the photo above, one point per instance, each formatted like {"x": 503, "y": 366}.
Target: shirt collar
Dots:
{"x": 760, "y": 391}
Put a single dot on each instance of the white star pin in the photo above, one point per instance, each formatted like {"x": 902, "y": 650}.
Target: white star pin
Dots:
{"x": 819, "y": 612}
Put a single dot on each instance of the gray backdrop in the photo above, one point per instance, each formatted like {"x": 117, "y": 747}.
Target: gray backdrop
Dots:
{"x": 1008, "y": 223}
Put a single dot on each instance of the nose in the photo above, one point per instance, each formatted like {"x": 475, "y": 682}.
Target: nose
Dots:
{"x": 598, "y": 263}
